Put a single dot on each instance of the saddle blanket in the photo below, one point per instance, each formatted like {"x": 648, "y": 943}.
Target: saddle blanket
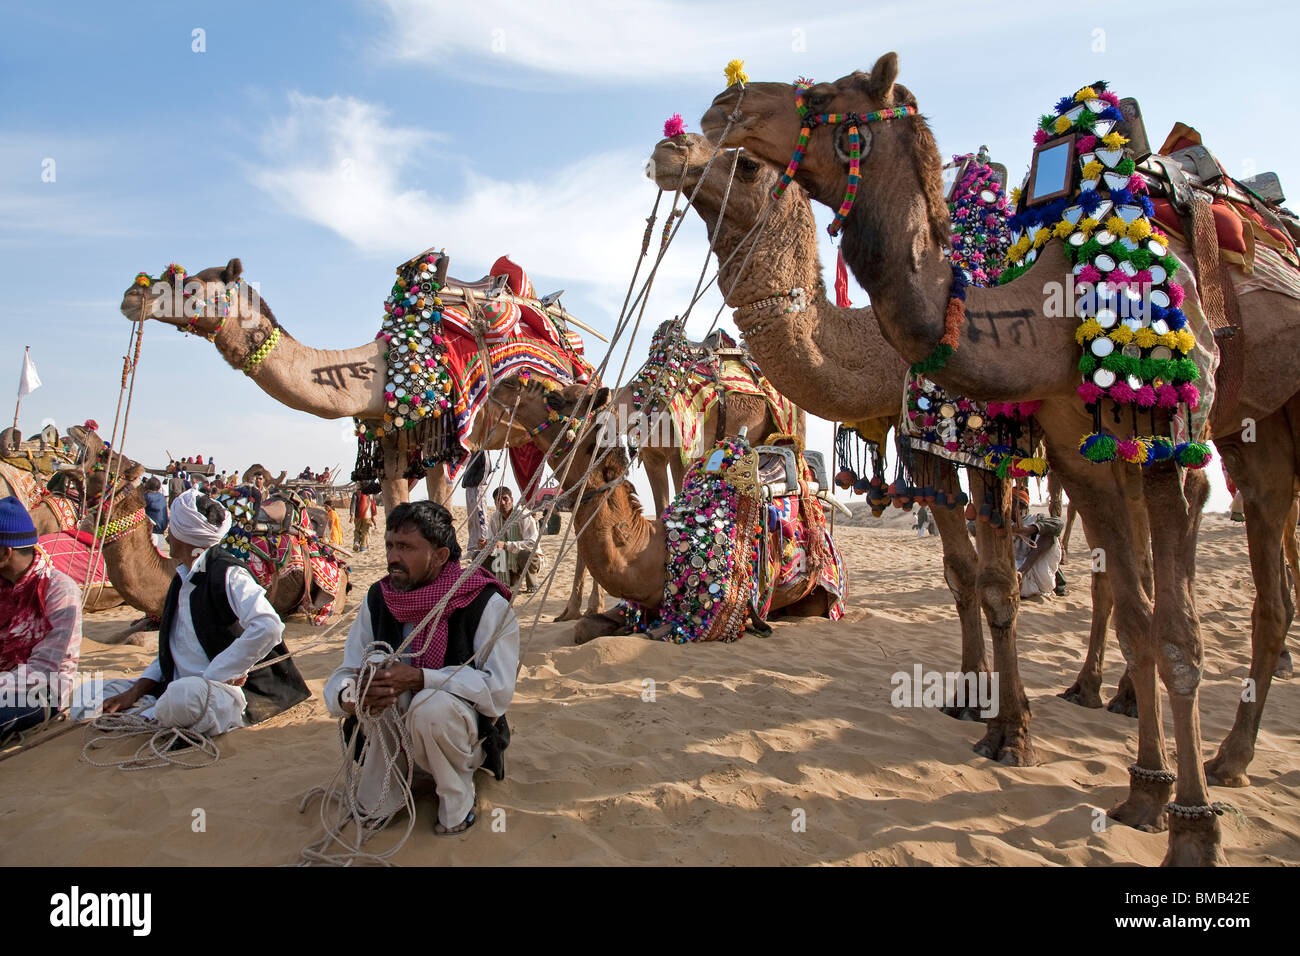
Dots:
{"x": 69, "y": 552}
{"x": 690, "y": 407}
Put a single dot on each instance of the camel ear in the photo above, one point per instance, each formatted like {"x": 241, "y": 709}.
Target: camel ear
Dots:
{"x": 233, "y": 270}
{"x": 134, "y": 472}
{"x": 880, "y": 84}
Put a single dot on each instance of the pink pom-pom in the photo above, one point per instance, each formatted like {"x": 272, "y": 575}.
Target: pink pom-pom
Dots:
{"x": 1142, "y": 279}
{"x": 1175, "y": 294}
{"x": 1090, "y": 392}
{"x": 1136, "y": 184}
{"x": 950, "y": 445}
{"x": 1121, "y": 393}
{"x": 1110, "y": 98}
{"x": 1167, "y": 396}
{"x": 1029, "y": 408}
{"x": 1040, "y": 137}
{"x": 1146, "y": 396}
{"x": 1190, "y": 394}
{"x": 1086, "y": 143}
{"x": 1089, "y": 273}
{"x": 1128, "y": 449}
{"x": 997, "y": 408}
{"x": 674, "y": 126}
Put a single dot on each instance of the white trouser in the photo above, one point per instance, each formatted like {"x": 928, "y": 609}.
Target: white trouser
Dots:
{"x": 477, "y": 518}
{"x": 444, "y": 742}
{"x": 191, "y": 703}
{"x": 1041, "y": 578}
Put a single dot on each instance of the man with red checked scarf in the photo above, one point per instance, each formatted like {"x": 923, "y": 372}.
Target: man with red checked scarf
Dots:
{"x": 453, "y": 680}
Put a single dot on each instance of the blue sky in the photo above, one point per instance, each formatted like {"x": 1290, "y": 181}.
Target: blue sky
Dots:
{"x": 324, "y": 144}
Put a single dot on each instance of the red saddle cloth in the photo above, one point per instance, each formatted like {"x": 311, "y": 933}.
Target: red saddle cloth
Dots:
{"x": 69, "y": 552}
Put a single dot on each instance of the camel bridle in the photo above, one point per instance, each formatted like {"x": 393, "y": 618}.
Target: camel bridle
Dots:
{"x": 854, "y": 123}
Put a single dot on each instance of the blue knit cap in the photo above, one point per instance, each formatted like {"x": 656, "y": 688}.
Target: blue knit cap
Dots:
{"x": 16, "y": 528}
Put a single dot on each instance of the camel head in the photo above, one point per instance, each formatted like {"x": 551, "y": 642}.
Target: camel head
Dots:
{"x": 556, "y": 414}
{"x": 683, "y": 160}
{"x": 202, "y": 303}
{"x": 494, "y": 426}
{"x": 125, "y": 492}
{"x": 899, "y": 157}
{"x": 254, "y": 470}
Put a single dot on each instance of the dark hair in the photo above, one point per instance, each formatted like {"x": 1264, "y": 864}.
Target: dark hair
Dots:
{"x": 27, "y": 551}
{"x": 152, "y": 484}
{"x": 431, "y": 519}
{"x": 211, "y": 509}
{"x": 503, "y": 490}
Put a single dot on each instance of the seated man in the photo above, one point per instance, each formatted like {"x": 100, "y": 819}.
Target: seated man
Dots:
{"x": 455, "y": 714}
{"x": 216, "y": 624}
{"x": 40, "y": 626}
{"x": 1037, "y": 547}
{"x": 517, "y": 536}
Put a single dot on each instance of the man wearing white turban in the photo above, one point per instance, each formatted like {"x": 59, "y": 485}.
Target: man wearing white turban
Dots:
{"x": 216, "y": 626}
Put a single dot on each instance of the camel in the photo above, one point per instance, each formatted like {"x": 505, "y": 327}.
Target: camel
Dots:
{"x": 142, "y": 575}
{"x": 893, "y": 241}
{"x": 252, "y": 471}
{"x": 624, "y": 550}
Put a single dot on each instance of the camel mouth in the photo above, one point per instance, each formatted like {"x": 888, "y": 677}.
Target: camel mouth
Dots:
{"x": 665, "y": 165}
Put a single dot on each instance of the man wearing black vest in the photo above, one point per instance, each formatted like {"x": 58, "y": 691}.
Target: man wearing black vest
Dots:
{"x": 454, "y": 679}
{"x": 216, "y": 625}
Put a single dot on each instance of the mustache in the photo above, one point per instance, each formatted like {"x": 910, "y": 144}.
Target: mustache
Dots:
{"x": 397, "y": 567}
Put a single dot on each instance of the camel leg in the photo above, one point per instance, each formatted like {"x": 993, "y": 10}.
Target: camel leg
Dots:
{"x": 1071, "y": 512}
{"x": 596, "y": 604}
{"x": 1125, "y": 700}
{"x": 1267, "y": 490}
{"x": 656, "y": 472}
{"x": 597, "y": 625}
{"x": 437, "y": 485}
{"x": 573, "y": 609}
{"x": 1086, "y": 689}
{"x": 1007, "y": 740}
{"x": 678, "y": 472}
{"x": 1292, "y": 548}
{"x": 1175, "y": 499}
{"x": 960, "y": 571}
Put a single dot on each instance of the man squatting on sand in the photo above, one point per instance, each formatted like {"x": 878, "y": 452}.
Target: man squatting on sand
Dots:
{"x": 216, "y": 625}
{"x": 40, "y": 626}
{"x": 455, "y": 714}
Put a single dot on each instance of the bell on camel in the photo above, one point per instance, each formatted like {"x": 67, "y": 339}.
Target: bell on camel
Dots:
{"x": 986, "y": 510}
{"x": 970, "y": 512}
{"x": 844, "y": 479}
{"x": 941, "y": 500}
{"x": 962, "y": 499}
{"x": 926, "y": 494}
{"x": 861, "y": 486}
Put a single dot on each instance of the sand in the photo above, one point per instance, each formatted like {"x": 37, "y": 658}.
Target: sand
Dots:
{"x": 784, "y": 750}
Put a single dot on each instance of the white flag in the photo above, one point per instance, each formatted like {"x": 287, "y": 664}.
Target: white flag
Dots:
{"x": 29, "y": 381}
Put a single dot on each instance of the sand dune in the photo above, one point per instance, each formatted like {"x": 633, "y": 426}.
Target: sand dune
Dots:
{"x": 741, "y": 744}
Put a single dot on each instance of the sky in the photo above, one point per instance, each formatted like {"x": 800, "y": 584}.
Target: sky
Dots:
{"x": 324, "y": 144}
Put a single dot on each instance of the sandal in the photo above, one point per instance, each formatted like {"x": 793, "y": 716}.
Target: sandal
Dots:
{"x": 440, "y": 830}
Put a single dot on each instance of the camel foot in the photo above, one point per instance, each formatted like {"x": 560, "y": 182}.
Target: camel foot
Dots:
{"x": 1084, "y": 693}
{"x": 597, "y": 625}
{"x": 1125, "y": 700}
{"x": 1194, "y": 842}
{"x": 962, "y": 713}
{"x": 1283, "y": 669}
{"x": 1226, "y": 771}
{"x": 569, "y": 614}
{"x": 1145, "y": 807}
{"x": 1008, "y": 744}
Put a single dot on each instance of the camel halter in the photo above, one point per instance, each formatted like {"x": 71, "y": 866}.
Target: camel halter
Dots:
{"x": 852, "y": 121}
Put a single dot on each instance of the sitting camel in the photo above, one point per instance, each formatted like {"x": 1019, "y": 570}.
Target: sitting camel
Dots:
{"x": 625, "y": 551}
{"x": 142, "y": 574}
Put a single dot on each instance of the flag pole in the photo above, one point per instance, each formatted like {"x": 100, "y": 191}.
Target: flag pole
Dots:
{"x": 26, "y": 352}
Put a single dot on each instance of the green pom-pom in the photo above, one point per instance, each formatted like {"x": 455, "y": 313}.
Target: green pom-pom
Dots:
{"x": 1098, "y": 447}
{"x": 1126, "y": 167}
{"x": 1171, "y": 264}
{"x": 1193, "y": 455}
{"x": 1047, "y": 123}
{"x": 1140, "y": 258}
{"x": 1087, "y": 363}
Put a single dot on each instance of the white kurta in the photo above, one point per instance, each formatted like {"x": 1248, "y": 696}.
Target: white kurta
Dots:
{"x": 199, "y": 697}
{"x": 442, "y": 718}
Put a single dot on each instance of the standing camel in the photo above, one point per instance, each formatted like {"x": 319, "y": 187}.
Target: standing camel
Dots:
{"x": 893, "y": 239}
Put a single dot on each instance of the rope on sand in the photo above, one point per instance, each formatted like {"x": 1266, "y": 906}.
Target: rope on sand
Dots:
{"x": 164, "y": 746}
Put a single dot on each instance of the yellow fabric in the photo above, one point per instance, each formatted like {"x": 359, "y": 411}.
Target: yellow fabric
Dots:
{"x": 873, "y": 429}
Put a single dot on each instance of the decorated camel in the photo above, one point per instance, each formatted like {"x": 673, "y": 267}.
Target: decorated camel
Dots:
{"x": 142, "y": 575}
{"x": 252, "y": 471}
{"x": 625, "y": 551}
{"x": 1007, "y": 344}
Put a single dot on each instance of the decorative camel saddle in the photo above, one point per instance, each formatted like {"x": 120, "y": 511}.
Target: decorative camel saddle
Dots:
{"x": 438, "y": 332}
{"x": 689, "y": 379}
{"x": 746, "y": 523}
{"x": 264, "y": 537}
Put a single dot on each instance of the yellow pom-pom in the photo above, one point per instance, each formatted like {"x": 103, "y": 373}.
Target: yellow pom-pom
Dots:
{"x": 1017, "y": 251}
{"x": 1063, "y": 123}
{"x": 1092, "y": 170}
{"x": 735, "y": 72}
{"x": 1139, "y": 229}
{"x": 1087, "y": 93}
{"x": 1087, "y": 224}
{"x": 1063, "y": 228}
{"x": 1145, "y": 338}
{"x": 1186, "y": 340}
{"x": 1121, "y": 335}
{"x": 1040, "y": 240}
{"x": 1014, "y": 199}
{"x": 1113, "y": 140}
{"x": 1088, "y": 330}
